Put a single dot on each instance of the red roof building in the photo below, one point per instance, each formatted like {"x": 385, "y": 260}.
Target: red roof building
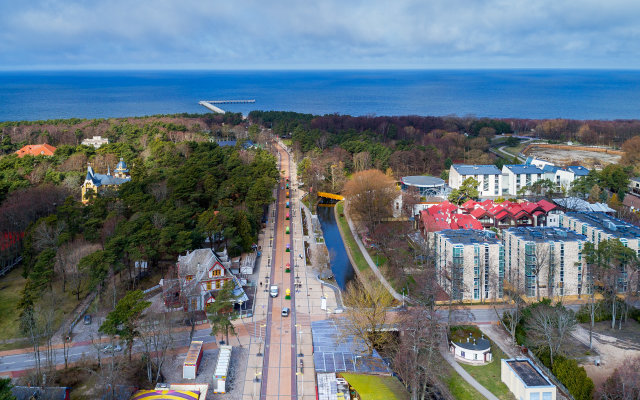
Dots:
{"x": 36, "y": 150}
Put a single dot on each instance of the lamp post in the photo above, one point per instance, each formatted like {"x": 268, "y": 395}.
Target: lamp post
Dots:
{"x": 301, "y": 383}
{"x": 255, "y": 381}
{"x": 299, "y": 327}
{"x": 260, "y": 340}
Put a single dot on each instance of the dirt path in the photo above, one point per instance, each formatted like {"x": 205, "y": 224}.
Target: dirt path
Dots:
{"x": 612, "y": 353}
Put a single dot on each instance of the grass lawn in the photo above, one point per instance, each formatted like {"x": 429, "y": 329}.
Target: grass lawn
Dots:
{"x": 11, "y": 286}
{"x": 459, "y": 388}
{"x": 361, "y": 263}
{"x": 489, "y": 375}
{"x": 374, "y": 387}
{"x": 287, "y": 142}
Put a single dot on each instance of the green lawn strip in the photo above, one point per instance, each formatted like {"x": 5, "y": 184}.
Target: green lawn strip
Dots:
{"x": 461, "y": 389}
{"x": 489, "y": 375}
{"x": 361, "y": 263}
{"x": 376, "y": 387}
{"x": 11, "y": 286}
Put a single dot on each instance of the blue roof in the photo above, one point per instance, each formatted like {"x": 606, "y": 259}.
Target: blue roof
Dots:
{"x": 335, "y": 350}
{"x": 519, "y": 169}
{"x": 550, "y": 168}
{"x": 467, "y": 169}
{"x": 469, "y": 236}
{"x": 610, "y": 225}
{"x": 122, "y": 166}
{"x": 102, "y": 179}
{"x": 545, "y": 234}
{"x": 579, "y": 170}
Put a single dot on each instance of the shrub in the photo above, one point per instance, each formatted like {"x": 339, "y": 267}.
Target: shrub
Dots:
{"x": 574, "y": 377}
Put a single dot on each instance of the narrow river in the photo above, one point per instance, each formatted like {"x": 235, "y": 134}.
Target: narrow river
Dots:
{"x": 340, "y": 264}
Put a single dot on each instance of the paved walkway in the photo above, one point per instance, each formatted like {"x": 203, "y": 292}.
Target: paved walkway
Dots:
{"x": 464, "y": 374}
{"x": 367, "y": 257}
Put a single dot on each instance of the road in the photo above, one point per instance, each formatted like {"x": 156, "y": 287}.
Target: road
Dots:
{"x": 279, "y": 368}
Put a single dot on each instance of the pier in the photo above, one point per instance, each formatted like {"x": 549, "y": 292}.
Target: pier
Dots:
{"x": 210, "y": 104}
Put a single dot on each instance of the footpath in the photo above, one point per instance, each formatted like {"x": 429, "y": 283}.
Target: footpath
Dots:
{"x": 368, "y": 258}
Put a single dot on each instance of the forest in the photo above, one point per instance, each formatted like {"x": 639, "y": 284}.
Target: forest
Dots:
{"x": 184, "y": 189}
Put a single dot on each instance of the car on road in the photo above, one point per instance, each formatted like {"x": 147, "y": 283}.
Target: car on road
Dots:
{"x": 273, "y": 291}
{"x": 109, "y": 348}
{"x": 87, "y": 319}
{"x": 285, "y": 311}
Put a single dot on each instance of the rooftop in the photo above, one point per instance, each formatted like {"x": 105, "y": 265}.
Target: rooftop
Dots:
{"x": 578, "y": 204}
{"x": 469, "y": 236}
{"x": 467, "y": 169}
{"x": 578, "y": 170}
{"x": 36, "y": 150}
{"x": 479, "y": 344}
{"x": 333, "y": 352}
{"x": 422, "y": 180}
{"x": 519, "y": 169}
{"x": 610, "y": 225}
{"x": 540, "y": 234}
{"x": 529, "y": 374}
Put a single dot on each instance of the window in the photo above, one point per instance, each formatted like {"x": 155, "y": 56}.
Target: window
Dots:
{"x": 534, "y": 396}
{"x": 546, "y": 396}
{"x": 462, "y": 353}
{"x": 217, "y": 272}
{"x": 209, "y": 285}
{"x": 218, "y": 284}
{"x": 189, "y": 278}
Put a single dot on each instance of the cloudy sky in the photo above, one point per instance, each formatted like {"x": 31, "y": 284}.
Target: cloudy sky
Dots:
{"x": 325, "y": 34}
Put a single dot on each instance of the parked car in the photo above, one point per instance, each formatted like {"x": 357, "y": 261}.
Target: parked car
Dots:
{"x": 87, "y": 319}
{"x": 285, "y": 311}
{"x": 273, "y": 291}
{"x": 109, "y": 348}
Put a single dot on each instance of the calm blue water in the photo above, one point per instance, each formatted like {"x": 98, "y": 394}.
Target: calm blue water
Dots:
{"x": 498, "y": 93}
{"x": 340, "y": 264}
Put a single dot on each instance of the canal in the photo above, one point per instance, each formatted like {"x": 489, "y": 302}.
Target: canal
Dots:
{"x": 340, "y": 264}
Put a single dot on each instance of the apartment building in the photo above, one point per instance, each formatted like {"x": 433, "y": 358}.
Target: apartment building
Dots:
{"x": 469, "y": 264}
{"x": 489, "y": 178}
{"x": 544, "y": 261}
{"x": 599, "y": 226}
{"x": 517, "y": 176}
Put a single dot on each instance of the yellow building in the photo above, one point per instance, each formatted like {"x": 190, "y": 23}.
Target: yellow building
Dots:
{"x": 97, "y": 183}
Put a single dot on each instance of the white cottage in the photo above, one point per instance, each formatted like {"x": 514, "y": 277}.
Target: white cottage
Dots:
{"x": 472, "y": 351}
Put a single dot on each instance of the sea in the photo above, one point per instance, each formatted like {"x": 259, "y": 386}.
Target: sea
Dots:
{"x": 575, "y": 94}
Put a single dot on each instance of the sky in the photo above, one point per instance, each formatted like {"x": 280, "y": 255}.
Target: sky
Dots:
{"x": 325, "y": 34}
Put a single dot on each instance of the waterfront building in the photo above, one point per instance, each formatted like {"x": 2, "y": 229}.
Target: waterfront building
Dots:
{"x": 517, "y": 176}
{"x": 544, "y": 261}
{"x": 597, "y": 227}
{"x": 489, "y": 178}
{"x": 469, "y": 264}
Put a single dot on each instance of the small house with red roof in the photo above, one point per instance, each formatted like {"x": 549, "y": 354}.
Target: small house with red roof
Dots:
{"x": 36, "y": 150}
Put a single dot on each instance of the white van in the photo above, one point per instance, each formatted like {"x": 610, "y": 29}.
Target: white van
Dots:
{"x": 273, "y": 291}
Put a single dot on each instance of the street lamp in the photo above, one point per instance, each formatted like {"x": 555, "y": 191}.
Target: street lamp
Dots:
{"x": 300, "y": 354}
{"x": 260, "y": 348}
{"x": 301, "y": 384}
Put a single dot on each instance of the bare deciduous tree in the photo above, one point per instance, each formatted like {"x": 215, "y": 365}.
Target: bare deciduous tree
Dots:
{"x": 417, "y": 357}
{"x": 366, "y": 314}
{"x": 158, "y": 339}
{"x": 624, "y": 383}
{"x": 549, "y": 327}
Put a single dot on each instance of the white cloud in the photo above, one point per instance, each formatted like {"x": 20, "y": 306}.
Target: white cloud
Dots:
{"x": 330, "y": 33}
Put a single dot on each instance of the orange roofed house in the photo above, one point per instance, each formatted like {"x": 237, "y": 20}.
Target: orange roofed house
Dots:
{"x": 36, "y": 150}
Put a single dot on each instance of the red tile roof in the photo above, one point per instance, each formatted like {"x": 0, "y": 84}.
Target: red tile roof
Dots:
{"x": 36, "y": 150}
{"x": 547, "y": 205}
